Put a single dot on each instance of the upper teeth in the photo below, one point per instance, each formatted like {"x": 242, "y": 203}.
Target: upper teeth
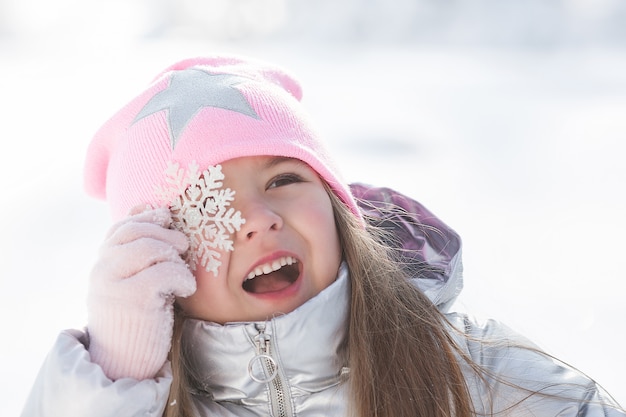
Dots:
{"x": 271, "y": 266}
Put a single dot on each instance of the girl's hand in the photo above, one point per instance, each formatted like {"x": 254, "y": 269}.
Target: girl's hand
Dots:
{"x": 131, "y": 294}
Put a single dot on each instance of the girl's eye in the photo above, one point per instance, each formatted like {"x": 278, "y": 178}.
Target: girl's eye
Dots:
{"x": 283, "y": 179}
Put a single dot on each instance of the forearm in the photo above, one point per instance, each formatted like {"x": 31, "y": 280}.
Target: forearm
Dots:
{"x": 69, "y": 384}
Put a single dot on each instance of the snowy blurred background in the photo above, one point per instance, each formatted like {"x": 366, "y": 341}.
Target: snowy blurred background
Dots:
{"x": 506, "y": 118}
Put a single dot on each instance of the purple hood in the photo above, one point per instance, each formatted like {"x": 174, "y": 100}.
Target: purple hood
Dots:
{"x": 429, "y": 248}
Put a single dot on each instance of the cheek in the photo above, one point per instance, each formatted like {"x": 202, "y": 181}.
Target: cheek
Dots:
{"x": 320, "y": 221}
{"x": 209, "y": 291}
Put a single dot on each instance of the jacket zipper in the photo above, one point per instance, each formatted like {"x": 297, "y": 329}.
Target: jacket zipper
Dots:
{"x": 278, "y": 402}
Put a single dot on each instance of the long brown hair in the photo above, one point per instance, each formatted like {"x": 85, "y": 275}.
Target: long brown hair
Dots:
{"x": 402, "y": 359}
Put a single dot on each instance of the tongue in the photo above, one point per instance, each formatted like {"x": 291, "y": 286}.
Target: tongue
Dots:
{"x": 274, "y": 281}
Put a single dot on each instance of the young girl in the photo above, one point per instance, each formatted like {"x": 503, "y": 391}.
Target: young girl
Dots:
{"x": 243, "y": 277}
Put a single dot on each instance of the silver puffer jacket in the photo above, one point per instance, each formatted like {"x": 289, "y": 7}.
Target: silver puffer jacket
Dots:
{"x": 293, "y": 365}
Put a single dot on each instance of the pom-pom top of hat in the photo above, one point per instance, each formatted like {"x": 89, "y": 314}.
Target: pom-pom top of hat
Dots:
{"x": 203, "y": 110}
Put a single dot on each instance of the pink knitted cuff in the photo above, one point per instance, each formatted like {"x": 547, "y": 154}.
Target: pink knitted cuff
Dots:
{"x": 129, "y": 345}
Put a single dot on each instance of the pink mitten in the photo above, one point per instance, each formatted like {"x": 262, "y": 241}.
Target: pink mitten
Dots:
{"x": 131, "y": 295}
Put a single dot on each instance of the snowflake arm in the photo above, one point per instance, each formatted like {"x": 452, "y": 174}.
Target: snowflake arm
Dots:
{"x": 200, "y": 208}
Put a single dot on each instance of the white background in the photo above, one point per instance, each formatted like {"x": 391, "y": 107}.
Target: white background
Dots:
{"x": 507, "y": 119}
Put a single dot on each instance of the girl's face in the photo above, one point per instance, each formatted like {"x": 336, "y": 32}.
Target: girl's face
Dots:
{"x": 285, "y": 253}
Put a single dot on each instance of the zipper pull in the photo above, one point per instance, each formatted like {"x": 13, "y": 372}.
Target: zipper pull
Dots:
{"x": 267, "y": 363}
{"x": 262, "y": 341}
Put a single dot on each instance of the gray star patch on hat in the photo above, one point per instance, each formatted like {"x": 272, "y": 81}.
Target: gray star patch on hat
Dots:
{"x": 190, "y": 91}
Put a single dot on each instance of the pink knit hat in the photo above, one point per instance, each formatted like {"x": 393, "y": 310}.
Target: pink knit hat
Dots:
{"x": 204, "y": 110}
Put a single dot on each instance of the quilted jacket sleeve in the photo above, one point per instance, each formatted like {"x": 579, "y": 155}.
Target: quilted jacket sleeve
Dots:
{"x": 522, "y": 379}
{"x": 70, "y": 385}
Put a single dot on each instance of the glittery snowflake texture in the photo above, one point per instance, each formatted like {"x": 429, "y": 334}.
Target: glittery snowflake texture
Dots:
{"x": 201, "y": 209}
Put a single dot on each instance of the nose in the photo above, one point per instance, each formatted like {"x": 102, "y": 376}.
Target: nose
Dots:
{"x": 260, "y": 219}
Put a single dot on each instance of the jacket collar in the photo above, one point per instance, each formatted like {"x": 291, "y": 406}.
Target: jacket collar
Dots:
{"x": 307, "y": 344}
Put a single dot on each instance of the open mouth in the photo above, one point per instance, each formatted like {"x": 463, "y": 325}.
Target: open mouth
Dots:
{"x": 271, "y": 277}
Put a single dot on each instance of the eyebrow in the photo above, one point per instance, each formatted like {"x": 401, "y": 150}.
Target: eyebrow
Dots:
{"x": 277, "y": 160}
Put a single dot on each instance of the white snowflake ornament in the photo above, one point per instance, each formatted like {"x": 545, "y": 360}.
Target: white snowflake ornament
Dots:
{"x": 201, "y": 209}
